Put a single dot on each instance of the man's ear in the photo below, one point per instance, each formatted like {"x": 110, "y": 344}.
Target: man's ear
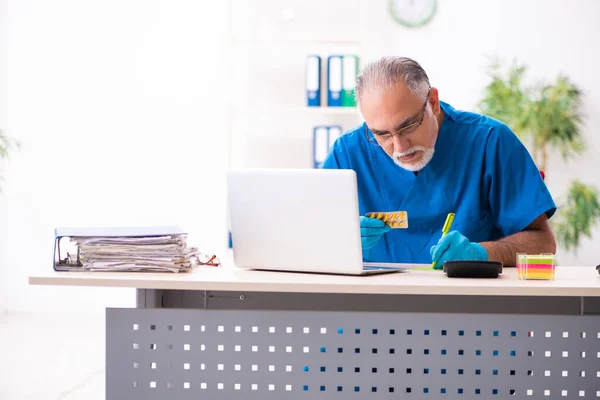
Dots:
{"x": 434, "y": 100}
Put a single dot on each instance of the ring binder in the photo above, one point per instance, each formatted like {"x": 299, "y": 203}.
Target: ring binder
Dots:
{"x": 125, "y": 249}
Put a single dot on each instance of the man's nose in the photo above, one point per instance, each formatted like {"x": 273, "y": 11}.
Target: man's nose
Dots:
{"x": 401, "y": 143}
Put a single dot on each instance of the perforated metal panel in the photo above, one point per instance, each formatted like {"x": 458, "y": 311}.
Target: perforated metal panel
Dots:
{"x": 216, "y": 354}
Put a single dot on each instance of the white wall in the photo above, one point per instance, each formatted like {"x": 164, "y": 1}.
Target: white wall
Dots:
{"x": 3, "y": 81}
{"x": 121, "y": 109}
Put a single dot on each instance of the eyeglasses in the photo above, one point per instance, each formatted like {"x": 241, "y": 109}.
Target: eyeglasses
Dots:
{"x": 208, "y": 259}
{"x": 378, "y": 139}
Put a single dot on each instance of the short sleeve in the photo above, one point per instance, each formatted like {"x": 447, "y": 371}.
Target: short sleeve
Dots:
{"x": 337, "y": 157}
{"x": 517, "y": 193}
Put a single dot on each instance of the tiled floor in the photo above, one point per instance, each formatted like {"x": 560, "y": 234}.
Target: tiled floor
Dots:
{"x": 52, "y": 356}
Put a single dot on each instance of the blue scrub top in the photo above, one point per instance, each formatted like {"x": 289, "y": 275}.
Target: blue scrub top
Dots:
{"x": 480, "y": 171}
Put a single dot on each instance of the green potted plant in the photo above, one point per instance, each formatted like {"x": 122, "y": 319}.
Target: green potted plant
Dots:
{"x": 546, "y": 117}
{"x": 6, "y": 146}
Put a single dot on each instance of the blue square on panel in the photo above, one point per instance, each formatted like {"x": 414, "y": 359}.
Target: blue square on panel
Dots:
{"x": 460, "y": 391}
{"x": 357, "y": 331}
{"x": 340, "y": 330}
{"x": 443, "y": 371}
{"x": 374, "y": 331}
{"x": 477, "y": 391}
{"x": 443, "y": 352}
{"x": 339, "y": 388}
{"x": 478, "y": 333}
{"x": 305, "y": 387}
{"x": 356, "y": 388}
{"x": 425, "y": 390}
{"x": 340, "y": 369}
{"x": 323, "y": 349}
{"x": 513, "y": 353}
{"x": 477, "y": 372}
{"x": 513, "y": 333}
{"x": 461, "y": 333}
{"x": 409, "y": 331}
{"x": 496, "y": 333}
{"x": 478, "y": 352}
{"x": 322, "y": 388}
{"x": 443, "y": 390}
{"x": 426, "y": 332}
{"x": 373, "y": 389}
{"x": 322, "y": 369}
{"x": 495, "y": 391}
{"x": 495, "y": 372}
{"x": 495, "y": 352}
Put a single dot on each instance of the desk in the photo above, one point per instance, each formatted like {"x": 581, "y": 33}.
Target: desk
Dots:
{"x": 222, "y": 333}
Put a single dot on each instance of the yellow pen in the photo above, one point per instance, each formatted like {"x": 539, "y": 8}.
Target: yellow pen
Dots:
{"x": 446, "y": 228}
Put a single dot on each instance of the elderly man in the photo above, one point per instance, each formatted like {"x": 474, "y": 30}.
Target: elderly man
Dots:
{"x": 418, "y": 154}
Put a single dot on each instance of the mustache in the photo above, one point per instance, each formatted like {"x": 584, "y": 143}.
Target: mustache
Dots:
{"x": 410, "y": 151}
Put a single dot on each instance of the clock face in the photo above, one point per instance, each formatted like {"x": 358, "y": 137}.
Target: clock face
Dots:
{"x": 412, "y": 13}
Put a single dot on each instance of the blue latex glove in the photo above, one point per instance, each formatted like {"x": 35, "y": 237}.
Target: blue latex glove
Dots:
{"x": 371, "y": 230}
{"x": 455, "y": 246}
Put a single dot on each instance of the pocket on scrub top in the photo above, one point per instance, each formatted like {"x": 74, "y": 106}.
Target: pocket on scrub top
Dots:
{"x": 474, "y": 226}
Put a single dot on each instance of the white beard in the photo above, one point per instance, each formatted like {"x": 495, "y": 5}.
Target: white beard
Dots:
{"x": 414, "y": 166}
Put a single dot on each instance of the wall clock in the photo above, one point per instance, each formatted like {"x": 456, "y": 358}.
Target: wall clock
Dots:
{"x": 412, "y": 13}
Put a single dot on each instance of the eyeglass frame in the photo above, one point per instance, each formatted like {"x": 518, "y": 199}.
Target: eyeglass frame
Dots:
{"x": 412, "y": 126}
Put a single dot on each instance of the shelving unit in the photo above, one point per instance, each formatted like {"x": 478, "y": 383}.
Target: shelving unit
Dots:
{"x": 270, "y": 122}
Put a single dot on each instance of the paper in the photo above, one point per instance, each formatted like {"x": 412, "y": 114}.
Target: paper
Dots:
{"x": 126, "y": 253}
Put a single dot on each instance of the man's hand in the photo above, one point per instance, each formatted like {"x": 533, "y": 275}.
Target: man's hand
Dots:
{"x": 455, "y": 246}
{"x": 371, "y": 230}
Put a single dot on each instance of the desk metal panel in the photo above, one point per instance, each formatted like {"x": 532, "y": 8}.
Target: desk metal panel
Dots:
{"x": 223, "y": 354}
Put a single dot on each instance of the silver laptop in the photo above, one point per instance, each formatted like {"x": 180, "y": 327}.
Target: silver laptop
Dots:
{"x": 301, "y": 220}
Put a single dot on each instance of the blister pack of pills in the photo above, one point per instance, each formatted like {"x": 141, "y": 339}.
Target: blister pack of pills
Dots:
{"x": 395, "y": 219}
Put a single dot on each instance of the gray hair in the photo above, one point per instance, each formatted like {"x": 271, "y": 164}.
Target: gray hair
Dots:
{"x": 387, "y": 72}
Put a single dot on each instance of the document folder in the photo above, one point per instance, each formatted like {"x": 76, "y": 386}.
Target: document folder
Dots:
{"x": 323, "y": 138}
{"x": 320, "y": 145}
{"x": 334, "y": 133}
{"x": 349, "y": 75}
{"x": 66, "y": 254}
{"x": 313, "y": 81}
{"x": 334, "y": 81}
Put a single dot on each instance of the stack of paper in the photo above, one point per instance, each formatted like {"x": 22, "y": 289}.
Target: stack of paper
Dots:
{"x": 126, "y": 249}
{"x": 152, "y": 253}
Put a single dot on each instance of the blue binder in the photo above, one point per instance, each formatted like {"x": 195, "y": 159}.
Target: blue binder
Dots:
{"x": 349, "y": 74}
{"x": 334, "y": 81}
{"x": 313, "y": 81}
{"x": 324, "y": 137}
